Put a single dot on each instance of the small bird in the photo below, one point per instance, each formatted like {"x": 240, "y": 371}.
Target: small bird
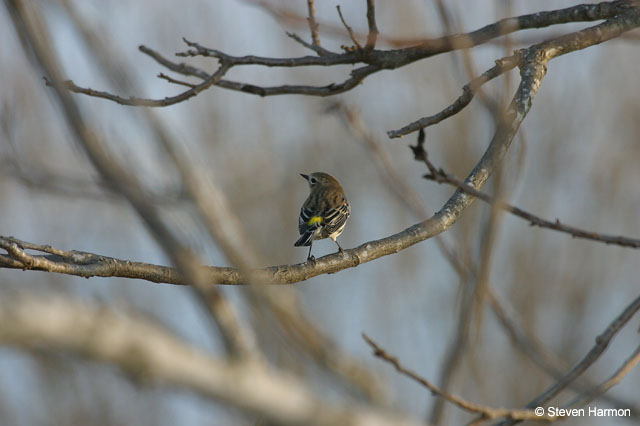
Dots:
{"x": 324, "y": 213}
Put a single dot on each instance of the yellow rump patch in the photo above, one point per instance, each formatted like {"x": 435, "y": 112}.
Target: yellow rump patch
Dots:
{"x": 314, "y": 220}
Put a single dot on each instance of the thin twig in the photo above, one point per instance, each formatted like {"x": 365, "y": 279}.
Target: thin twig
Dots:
{"x": 487, "y": 413}
{"x": 548, "y": 362}
{"x": 301, "y": 61}
{"x": 622, "y": 371}
{"x": 318, "y": 49}
{"x": 313, "y": 25}
{"x": 174, "y": 81}
{"x": 602, "y": 342}
{"x": 348, "y": 28}
{"x": 440, "y": 176}
{"x": 468, "y": 92}
{"x": 134, "y": 101}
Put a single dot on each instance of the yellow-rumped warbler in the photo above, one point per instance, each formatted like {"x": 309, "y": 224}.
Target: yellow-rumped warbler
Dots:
{"x": 325, "y": 212}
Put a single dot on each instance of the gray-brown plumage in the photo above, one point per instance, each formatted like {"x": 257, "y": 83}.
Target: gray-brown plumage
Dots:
{"x": 325, "y": 212}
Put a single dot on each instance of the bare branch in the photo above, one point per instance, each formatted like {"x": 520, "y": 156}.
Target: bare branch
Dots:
{"x": 174, "y": 81}
{"x": 238, "y": 339}
{"x": 348, "y": 28}
{"x": 84, "y": 264}
{"x": 440, "y": 176}
{"x": 180, "y": 68}
{"x": 396, "y": 181}
{"x": 377, "y": 60}
{"x": 438, "y": 223}
{"x": 468, "y": 92}
{"x": 371, "y": 21}
{"x": 302, "y": 61}
{"x": 534, "y": 68}
{"x": 161, "y": 358}
{"x": 318, "y": 49}
{"x": 544, "y": 359}
{"x": 602, "y": 342}
{"x": 133, "y": 101}
{"x": 313, "y": 27}
{"x": 288, "y": 17}
{"x": 486, "y": 413}
{"x": 594, "y": 393}
{"x": 357, "y": 75}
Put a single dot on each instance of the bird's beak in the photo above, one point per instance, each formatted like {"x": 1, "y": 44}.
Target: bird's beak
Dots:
{"x": 304, "y": 176}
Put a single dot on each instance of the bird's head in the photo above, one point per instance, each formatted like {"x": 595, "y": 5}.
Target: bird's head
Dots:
{"x": 319, "y": 179}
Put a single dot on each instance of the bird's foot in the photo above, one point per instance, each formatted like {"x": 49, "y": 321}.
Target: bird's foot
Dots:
{"x": 311, "y": 258}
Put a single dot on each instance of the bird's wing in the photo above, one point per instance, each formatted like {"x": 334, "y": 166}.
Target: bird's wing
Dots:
{"x": 335, "y": 219}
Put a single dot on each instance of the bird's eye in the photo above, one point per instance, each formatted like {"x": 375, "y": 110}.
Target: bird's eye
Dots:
{"x": 313, "y": 180}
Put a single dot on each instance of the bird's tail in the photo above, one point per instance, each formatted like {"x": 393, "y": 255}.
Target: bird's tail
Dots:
{"x": 305, "y": 239}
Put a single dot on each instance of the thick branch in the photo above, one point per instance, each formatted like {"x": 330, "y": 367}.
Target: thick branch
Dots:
{"x": 30, "y": 28}
{"x": 533, "y": 69}
{"x": 438, "y": 223}
{"x": 161, "y": 358}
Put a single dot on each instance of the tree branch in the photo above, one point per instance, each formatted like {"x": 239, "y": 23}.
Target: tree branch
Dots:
{"x": 313, "y": 28}
{"x": 533, "y": 68}
{"x": 440, "y": 176}
{"x": 30, "y": 28}
{"x": 373, "y": 28}
{"x": 355, "y": 41}
{"x": 486, "y": 413}
{"x": 133, "y": 101}
{"x": 162, "y": 359}
{"x": 548, "y": 362}
{"x": 602, "y": 342}
{"x": 373, "y": 60}
{"x": 439, "y": 222}
{"x": 604, "y": 387}
{"x": 468, "y": 92}
{"x": 288, "y": 17}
